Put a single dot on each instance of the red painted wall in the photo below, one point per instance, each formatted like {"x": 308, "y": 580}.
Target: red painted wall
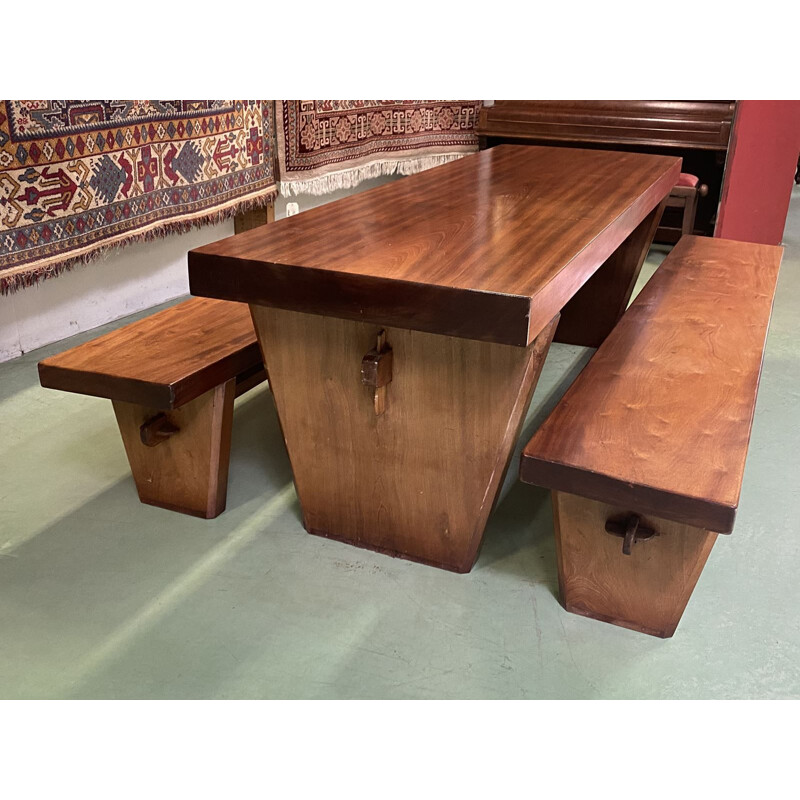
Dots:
{"x": 759, "y": 173}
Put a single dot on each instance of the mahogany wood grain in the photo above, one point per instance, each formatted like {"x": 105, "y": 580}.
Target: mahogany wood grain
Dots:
{"x": 419, "y": 479}
{"x": 187, "y": 472}
{"x": 647, "y": 590}
{"x": 599, "y": 304}
{"x": 700, "y": 124}
{"x": 162, "y": 361}
{"x": 659, "y": 420}
{"x": 489, "y": 247}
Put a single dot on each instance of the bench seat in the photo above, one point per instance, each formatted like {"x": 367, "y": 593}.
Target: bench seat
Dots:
{"x": 652, "y": 436}
{"x": 172, "y": 378}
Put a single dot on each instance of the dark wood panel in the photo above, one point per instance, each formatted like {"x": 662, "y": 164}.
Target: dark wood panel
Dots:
{"x": 489, "y": 247}
{"x": 698, "y": 131}
{"x": 164, "y": 360}
{"x": 701, "y": 124}
{"x": 659, "y": 420}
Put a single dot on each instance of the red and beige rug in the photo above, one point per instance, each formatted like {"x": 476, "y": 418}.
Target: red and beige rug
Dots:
{"x": 78, "y": 176}
{"x": 324, "y": 145}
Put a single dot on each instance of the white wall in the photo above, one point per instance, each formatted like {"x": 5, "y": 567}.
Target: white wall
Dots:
{"x": 119, "y": 283}
{"x": 122, "y": 282}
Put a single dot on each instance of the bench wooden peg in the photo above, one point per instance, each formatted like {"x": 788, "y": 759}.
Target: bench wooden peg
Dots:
{"x": 631, "y": 530}
{"x": 376, "y": 371}
{"x": 156, "y": 430}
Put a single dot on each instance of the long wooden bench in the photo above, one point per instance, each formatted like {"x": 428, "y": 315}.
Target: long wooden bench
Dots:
{"x": 645, "y": 452}
{"x": 172, "y": 378}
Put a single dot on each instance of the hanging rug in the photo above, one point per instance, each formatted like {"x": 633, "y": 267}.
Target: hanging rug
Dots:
{"x": 325, "y": 145}
{"x": 80, "y": 176}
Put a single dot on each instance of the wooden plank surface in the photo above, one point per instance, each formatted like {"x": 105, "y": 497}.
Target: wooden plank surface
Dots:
{"x": 488, "y": 247}
{"x": 161, "y": 361}
{"x": 660, "y": 418}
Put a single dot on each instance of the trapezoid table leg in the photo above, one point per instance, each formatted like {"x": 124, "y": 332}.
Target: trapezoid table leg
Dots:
{"x": 179, "y": 458}
{"x": 597, "y": 306}
{"x": 403, "y": 452}
{"x": 647, "y": 590}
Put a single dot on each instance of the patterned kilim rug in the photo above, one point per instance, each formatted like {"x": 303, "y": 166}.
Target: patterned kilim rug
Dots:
{"x": 324, "y": 145}
{"x": 77, "y": 176}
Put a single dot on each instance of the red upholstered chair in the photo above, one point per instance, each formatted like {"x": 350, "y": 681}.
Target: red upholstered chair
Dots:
{"x": 684, "y": 195}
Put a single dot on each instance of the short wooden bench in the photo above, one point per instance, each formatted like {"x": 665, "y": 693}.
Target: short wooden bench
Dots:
{"x": 649, "y": 443}
{"x": 172, "y": 378}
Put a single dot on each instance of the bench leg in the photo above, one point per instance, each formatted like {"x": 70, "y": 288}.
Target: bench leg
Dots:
{"x": 185, "y": 471}
{"x": 597, "y": 306}
{"x": 647, "y": 590}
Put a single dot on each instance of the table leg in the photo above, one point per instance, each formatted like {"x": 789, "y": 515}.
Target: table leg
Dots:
{"x": 254, "y": 218}
{"x": 598, "y": 305}
{"x": 417, "y": 477}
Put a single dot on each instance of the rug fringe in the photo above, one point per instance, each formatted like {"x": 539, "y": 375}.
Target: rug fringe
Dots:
{"x": 9, "y": 284}
{"x": 350, "y": 178}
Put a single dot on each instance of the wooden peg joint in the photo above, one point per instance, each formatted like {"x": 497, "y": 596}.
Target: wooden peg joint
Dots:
{"x": 630, "y": 530}
{"x": 376, "y": 371}
{"x": 156, "y": 430}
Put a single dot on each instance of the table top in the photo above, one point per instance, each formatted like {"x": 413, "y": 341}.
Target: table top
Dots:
{"x": 488, "y": 247}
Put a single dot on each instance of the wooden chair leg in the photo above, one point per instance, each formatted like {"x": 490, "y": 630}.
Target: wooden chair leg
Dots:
{"x": 179, "y": 458}
{"x": 689, "y": 214}
{"x": 647, "y": 590}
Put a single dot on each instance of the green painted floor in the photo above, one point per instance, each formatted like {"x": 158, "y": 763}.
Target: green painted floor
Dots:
{"x": 102, "y": 597}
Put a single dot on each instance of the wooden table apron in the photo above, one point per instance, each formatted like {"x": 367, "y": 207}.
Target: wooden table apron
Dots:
{"x": 459, "y": 276}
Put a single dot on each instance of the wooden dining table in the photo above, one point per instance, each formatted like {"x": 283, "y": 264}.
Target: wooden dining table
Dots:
{"x": 404, "y": 328}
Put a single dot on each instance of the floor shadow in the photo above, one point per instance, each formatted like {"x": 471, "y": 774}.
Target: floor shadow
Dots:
{"x": 519, "y": 537}
{"x": 16, "y": 376}
{"x": 258, "y": 453}
{"x": 103, "y": 578}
